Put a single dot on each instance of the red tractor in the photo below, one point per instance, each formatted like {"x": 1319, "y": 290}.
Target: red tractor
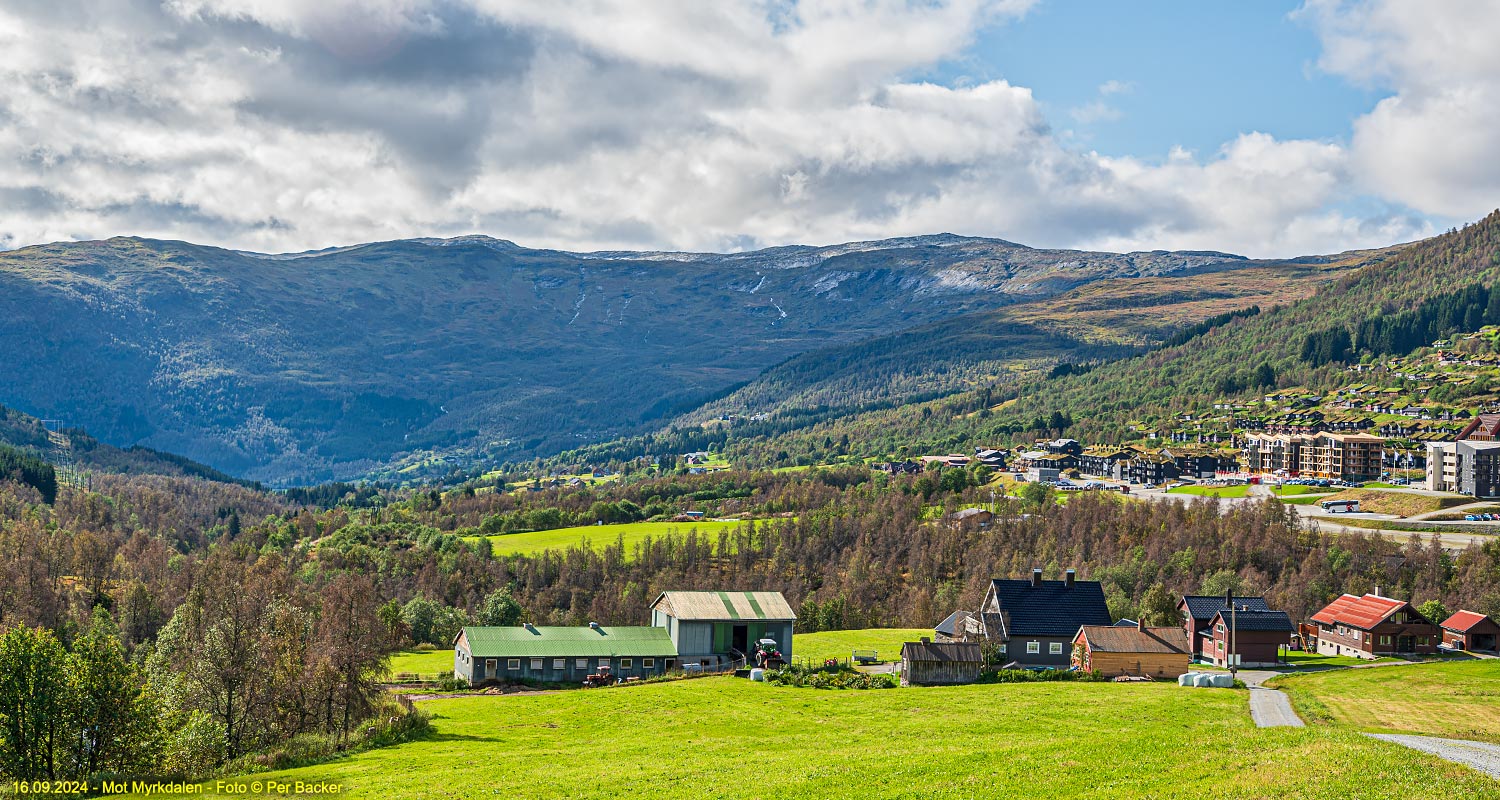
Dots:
{"x": 768, "y": 655}
{"x": 601, "y": 678}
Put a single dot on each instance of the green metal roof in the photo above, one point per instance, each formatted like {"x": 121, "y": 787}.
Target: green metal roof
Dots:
{"x": 544, "y": 642}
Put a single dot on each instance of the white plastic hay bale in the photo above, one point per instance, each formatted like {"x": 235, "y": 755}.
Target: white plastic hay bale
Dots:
{"x": 1222, "y": 681}
{"x": 757, "y": 674}
{"x": 1202, "y": 680}
{"x": 1186, "y": 679}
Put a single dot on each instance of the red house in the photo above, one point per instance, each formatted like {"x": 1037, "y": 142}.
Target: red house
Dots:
{"x": 1469, "y": 630}
{"x": 1373, "y": 626}
{"x": 1255, "y": 636}
{"x": 1198, "y": 612}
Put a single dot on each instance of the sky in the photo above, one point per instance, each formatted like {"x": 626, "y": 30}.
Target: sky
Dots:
{"x": 1264, "y": 128}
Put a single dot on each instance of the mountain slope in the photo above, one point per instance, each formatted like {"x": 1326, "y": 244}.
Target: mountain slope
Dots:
{"x": 339, "y": 363}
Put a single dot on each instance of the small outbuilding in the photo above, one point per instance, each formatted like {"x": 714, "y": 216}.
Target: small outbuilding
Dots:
{"x": 929, "y": 663}
{"x": 716, "y": 630}
{"x": 1112, "y": 651}
{"x": 1470, "y": 630}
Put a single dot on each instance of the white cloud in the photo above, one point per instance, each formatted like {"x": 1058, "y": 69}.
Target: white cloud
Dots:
{"x": 1431, "y": 144}
{"x": 282, "y": 125}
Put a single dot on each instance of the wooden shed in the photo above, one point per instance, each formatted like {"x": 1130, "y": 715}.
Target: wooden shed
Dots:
{"x": 1113, "y": 650}
{"x": 929, "y": 663}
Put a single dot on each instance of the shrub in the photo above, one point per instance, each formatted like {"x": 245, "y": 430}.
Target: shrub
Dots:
{"x": 826, "y": 677}
{"x": 1038, "y": 676}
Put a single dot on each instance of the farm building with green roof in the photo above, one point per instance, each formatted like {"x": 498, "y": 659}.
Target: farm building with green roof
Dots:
{"x": 560, "y": 654}
{"x": 714, "y": 630}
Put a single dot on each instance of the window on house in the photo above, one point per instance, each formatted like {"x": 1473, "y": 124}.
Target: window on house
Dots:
{"x": 1219, "y": 628}
{"x": 1385, "y": 640}
{"x": 513, "y": 663}
{"x": 1002, "y": 648}
{"x": 1055, "y": 648}
{"x": 581, "y": 663}
{"x": 536, "y": 663}
{"x": 625, "y": 663}
{"x": 1033, "y": 647}
{"x": 603, "y": 662}
{"x": 648, "y": 663}
{"x": 559, "y": 663}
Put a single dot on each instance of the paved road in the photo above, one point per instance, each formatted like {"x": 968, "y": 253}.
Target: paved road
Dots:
{"x": 1268, "y": 707}
{"x": 1482, "y": 756}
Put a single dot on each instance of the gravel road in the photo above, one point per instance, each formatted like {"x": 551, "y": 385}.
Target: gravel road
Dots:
{"x": 1268, "y": 707}
{"x": 1482, "y": 756}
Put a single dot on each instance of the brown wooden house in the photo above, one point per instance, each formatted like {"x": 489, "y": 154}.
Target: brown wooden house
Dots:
{"x": 1255, "y": 636}
{"x": 1470, "y": 630}
{"x": 1373, "y": 626}
{"x": 1198, "y": 611}
{"x": 1114, "y": 650}
{"x": 929, "y": 663}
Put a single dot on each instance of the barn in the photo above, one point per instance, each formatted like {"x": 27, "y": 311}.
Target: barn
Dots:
{"x": 929, "y": 663}
{"x": 715, "y": 630}
{"x": 559, "y": 654}
{"x": 1114, "y": 650}
{"x": 1470, "y": 630}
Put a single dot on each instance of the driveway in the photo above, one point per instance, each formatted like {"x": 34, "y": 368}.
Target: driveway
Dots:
{"x": 1482, "y": 756}
{"x": 1268, "y": 707}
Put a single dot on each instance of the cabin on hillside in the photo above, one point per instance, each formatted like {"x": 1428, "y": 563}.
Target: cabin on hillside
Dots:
{"x": 1373, "y": 626}
{"x": 717, "y": 629}
{"x": 1115, "y": 650}
{"x": 1470, "y": 630}
{"x": 1034, "y": 621}
{"x": 485, "y": 654}
{"x": 929, "y": 663}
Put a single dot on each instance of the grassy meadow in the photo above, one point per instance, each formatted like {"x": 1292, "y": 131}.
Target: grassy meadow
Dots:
{"x": 838, "y": 644}
{"x": 422, "y": 662}
{"x": 1240, "y": 490}
{"x": 1457, "y": 699}
{"x": 598, "y": 536}
{"x": 729, "y": 738}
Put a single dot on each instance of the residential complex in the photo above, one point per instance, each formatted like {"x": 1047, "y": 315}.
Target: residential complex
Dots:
{"x": 1343, "y": 456}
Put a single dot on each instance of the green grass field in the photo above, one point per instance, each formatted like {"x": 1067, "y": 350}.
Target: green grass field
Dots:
{"x": 838, "y": 644}
{"x": 1212, "y": 491}
{"x": 598, "y": 536}
{"x": 422, "y": 663}
{"x": 729, "y": 738}
{"x": 1305, "y": 660}
{"x": 1458, "y": 699}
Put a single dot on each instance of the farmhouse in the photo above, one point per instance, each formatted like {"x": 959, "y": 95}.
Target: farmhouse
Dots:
{"x": 1034, "y": 621}
{"x": 1199, "y": 610}
{"x": 562, "y": 655}
{"x": 1372, "y": 626}
{"x": 1469, "y": 630}
{"x": 928, "y": 663}
{"x": 1255, "y": 636}
{"x": 1114, "y": 650}
{"x": 717, "y": 629}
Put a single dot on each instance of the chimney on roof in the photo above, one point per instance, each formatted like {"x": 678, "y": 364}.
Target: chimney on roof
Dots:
{"x": 1036, "y": 577}
{"x": 1068, "y": 578}
{"x": 1377, "y": 590}
{"x": 926, "y": 640}
{"x": 1140, "y": 624}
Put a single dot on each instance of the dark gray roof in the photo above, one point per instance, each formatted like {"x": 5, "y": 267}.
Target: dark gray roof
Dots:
{"x": 1256, "y": 620}
{"x": 946, "y": 626}
{"x": 1203, "y": 607}
{"x": 1126, "y": 623}
{"x": 941, "y": 651}
{"x": 1051, "y": 609}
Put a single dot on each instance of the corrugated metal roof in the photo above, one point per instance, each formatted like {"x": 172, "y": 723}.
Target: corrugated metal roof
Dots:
{"x": 1257, "y": 620}
{"x": 947, "y": 652}
{"x": 725, "y": 606}
{"x": 1463, "y": 620}
{"x": 1361, "y": 612}
{"x": 1116, "y": 639}
{"x": 1203, "y": 607}
{"x": 517, "y": 642}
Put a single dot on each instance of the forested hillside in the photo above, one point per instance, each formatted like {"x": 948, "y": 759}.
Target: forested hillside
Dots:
{"x": 1394, "y": 299}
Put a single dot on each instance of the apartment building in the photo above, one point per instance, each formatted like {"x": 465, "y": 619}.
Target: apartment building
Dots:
{"x": 1342, "y": 456}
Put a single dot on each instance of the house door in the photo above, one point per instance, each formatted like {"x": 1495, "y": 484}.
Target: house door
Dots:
{"x": 740, "y": 638}
{"x": 1406, "y": 644}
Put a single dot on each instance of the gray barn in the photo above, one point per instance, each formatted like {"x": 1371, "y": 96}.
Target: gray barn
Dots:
{"x": 716, "y": 629}
{"x": 928, "y": 663}
{"x": 559, "y": 655}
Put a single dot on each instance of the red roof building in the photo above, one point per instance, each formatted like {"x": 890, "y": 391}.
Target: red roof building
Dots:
{"x": 1373, "y": 626}
{"x": 1470, "y": 630}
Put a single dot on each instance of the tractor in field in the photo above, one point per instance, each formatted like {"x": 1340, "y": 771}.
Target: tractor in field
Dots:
{"x": 603, "y": 677}
{"x": 768, "y": 655}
